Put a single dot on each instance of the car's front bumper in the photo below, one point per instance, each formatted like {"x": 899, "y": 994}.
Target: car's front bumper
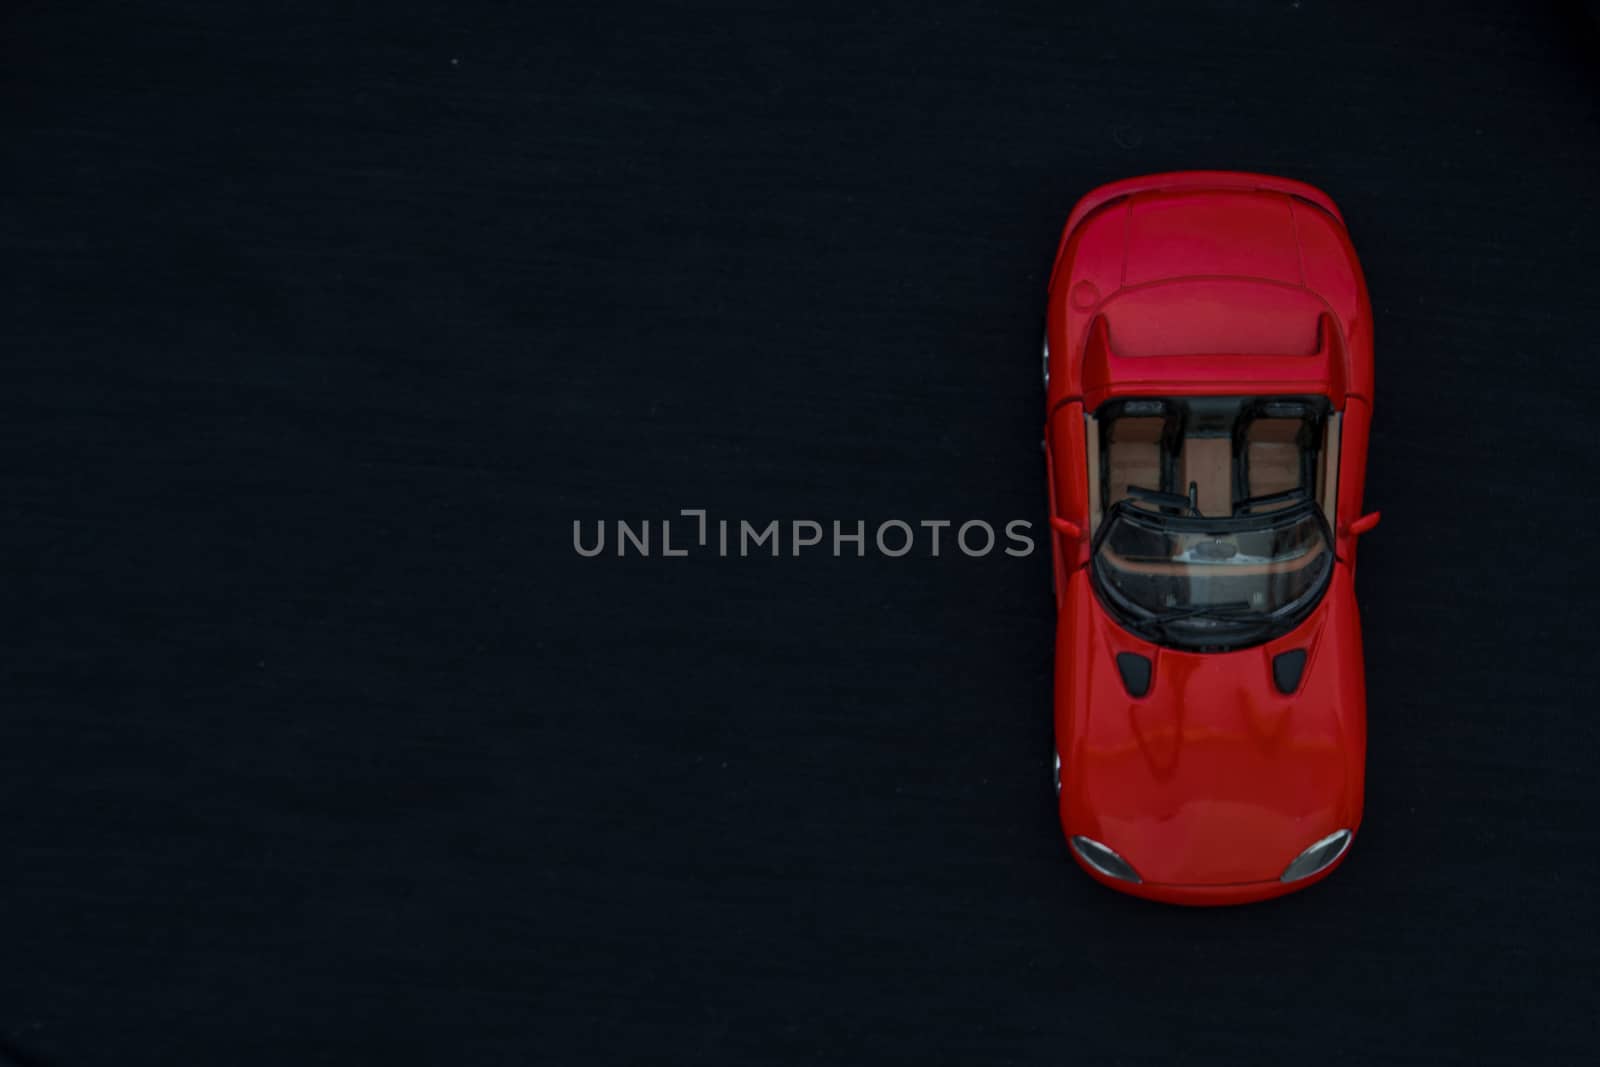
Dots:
{"x": 1204, "y": 896}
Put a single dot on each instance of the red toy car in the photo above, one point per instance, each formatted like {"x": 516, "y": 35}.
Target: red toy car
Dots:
{"x": 1208, "y": 373}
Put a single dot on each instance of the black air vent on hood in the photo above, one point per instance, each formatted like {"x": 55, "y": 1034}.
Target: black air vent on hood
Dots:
{"x": 1135, "y": 673}
{"x": 1287, "y": 668}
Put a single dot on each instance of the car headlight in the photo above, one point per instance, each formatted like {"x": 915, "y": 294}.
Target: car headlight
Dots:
{"x": 1317, "y": 857}
{"x": 1104, "y": 860}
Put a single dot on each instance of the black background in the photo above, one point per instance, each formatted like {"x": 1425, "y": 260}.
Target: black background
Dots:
{"x": 319, "y": 743}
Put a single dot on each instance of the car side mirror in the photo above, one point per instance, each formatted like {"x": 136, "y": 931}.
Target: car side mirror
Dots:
{"x": 1363, "y": 524}
{"x": 1066, "y": 527}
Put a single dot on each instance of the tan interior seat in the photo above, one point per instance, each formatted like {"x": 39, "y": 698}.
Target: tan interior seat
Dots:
{"x": 1272, "y": 456}
{"x": 1133, "y": 455}
{"x": 1270, "y": 449}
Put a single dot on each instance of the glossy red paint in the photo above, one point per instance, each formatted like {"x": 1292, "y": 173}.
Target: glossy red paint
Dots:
{"x": 1200, "y": 284}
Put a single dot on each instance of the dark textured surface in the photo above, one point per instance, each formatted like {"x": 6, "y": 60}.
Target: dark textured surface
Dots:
{"x": 318, "y": 743}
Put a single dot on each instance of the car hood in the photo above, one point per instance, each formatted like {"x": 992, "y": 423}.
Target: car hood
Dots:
{"x": 1214, "y": 777}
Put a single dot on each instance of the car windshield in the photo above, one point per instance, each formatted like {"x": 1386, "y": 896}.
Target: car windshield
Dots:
{"x": 1210, "y": 514}
{"x": 1211, "y": 583}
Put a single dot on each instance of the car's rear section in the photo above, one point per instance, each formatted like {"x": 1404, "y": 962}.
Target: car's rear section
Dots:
{"x": 1191, "y": 181}
{"x": 1206, "y": 263}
